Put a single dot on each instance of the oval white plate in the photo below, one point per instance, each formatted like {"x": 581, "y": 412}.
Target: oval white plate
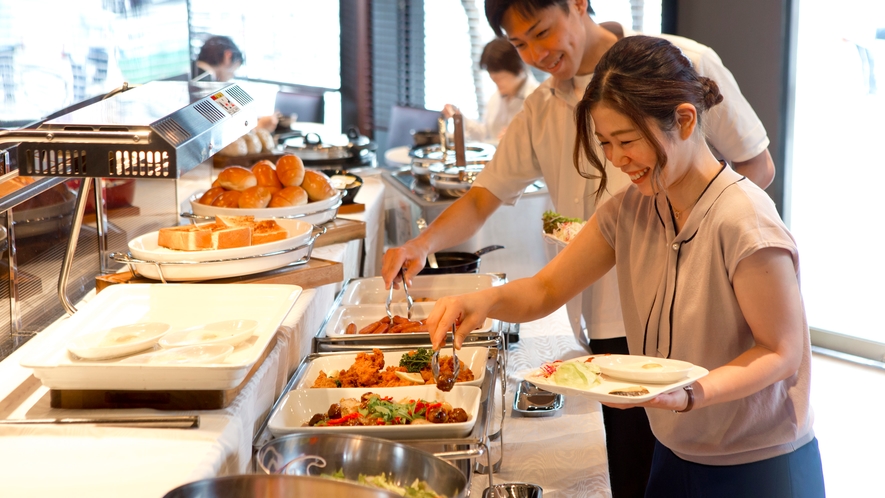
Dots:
{"x": 146, "y": 248}
{"x": 230, "y": 332}
{"x": 117, "y": 341}
{"x": 314, "y": 212}
{"x": 643, "y": 368}
{"x": 187, "y": 355}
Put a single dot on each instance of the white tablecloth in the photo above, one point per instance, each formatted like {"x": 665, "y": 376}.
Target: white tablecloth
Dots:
{"x": 94, "y": 462}
{"x": 371, "y": 194}
{"x": 565, "y": 453}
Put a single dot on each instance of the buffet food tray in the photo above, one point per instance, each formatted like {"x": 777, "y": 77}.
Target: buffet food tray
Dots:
{"x": 225, "y": 263}
{"x": 461, "y": 451}
{"x": 369, "y": 293}
{"x": 179, "y": 305}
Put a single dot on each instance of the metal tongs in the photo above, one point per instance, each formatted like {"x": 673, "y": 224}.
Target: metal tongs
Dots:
{"x": 456, "y": 365}
{"x": 409, "y": 301}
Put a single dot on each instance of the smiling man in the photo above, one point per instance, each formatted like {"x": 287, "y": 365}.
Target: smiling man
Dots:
{"x": 560, "y": 37}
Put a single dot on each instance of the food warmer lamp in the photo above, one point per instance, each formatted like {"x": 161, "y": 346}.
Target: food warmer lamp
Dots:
{"x": 159, "y": 130}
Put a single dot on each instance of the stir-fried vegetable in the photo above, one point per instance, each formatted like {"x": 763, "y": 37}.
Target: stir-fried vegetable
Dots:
{"x": 552, "y": 220}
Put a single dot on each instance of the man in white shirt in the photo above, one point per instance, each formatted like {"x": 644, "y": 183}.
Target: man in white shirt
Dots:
{"x": 559, "y": 37}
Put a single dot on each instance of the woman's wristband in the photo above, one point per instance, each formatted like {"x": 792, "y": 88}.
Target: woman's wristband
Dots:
{"x": 689, "y": 391}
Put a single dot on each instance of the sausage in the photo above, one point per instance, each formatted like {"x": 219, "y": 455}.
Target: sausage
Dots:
{"x": 351, "y": 329}
{"x": 368, "y": 328}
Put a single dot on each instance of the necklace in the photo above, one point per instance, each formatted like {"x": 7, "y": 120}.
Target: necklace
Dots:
{"x": 677, "y": 212}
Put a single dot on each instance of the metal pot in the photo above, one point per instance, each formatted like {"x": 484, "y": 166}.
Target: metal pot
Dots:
{"x": 355, "y": 455}
{"x": 454, "y": 181}
{"x": 421, "y": 167}
{"x": 473, "y": 151}
{"x": 314, "y": 152}
{"x": 457, "y": 262}
{"x": 275, "y": 486}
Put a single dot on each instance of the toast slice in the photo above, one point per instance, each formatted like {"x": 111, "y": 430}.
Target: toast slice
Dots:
{"x": 225, "y": 237}
{"x": 204, "y": 237}
{"x": 235, "y": 221}
{"x": 267, "y": 231}
{"x": 186, "y": 238}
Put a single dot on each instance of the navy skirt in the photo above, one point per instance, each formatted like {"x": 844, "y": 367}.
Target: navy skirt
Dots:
{"x": 795, "y": 475}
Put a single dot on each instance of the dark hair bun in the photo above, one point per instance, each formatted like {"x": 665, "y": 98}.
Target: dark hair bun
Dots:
{"x": 711, "y": 91}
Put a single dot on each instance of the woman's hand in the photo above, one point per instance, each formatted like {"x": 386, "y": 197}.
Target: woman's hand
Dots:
{"x": 449, "y": 110}
{"x": 410, "y": 256}
{"x": 467, "y": 312}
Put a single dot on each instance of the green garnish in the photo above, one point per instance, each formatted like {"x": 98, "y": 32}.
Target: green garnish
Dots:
{"x": 552, "y": 220}
{"x": 415, "y": 361}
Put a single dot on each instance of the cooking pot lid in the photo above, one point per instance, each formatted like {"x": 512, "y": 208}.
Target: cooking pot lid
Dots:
{"x": 473, "y": 151}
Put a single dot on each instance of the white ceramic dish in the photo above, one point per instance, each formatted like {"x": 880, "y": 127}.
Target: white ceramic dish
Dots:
{"x": 643, "y": 368}
{"x": 299, "y": 405}
{"x": 600, "y": 392}
{"x": 313, "y": 212}
{"x": 230, "y": 332}
{"x": 364, "y": 314}
{"x": 220, "y": 263}
{"x": 117, "y": 341}
{"x": 432, "y": 287}
{"x": 398, "y": 156}
{"x": 474, "y": 358}
{"x": 553, "y": 240}
{"x": 181, "y": 306}
{"x": 187, "y": 355}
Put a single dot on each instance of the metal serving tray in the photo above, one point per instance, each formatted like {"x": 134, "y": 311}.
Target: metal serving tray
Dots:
{"x": 460, "y": 451}
{"x": 370, "y": 291}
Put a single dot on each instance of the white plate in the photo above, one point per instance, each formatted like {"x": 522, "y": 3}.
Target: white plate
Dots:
{"x": 637, "y": 368}
{"x": 188, "y": 355}
{"x": 364, "y": 314}
{"x": 300, "y": 405}
{"x": 317, "y": 212}
{"x": 371, "y": 290}
{"x": 179, "y": 305}
{"x": 600, "y": 392}
{"x": 398, "y": 156}
{"x": 211, "y": 264}
{"x": 117, "y": 341}
{"x": 474, "y": 358}
{"x": 230, "y": 332}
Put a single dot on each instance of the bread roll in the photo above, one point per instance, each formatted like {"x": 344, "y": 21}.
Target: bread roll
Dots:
{"x": 290, "y": 170}
{"x": 266, "y": 174}
{"x": 287, "y": 197}
{"x": 216, "y": 183}
{"x": 253, "y": 143}
{"x": 255, "y": 197}
{"x": 236, "y": 178}
{"x": 209, "y": 197}
{"x": 267, "y": 142}
{"x": 236, "y": 148}
{"x": 229, "y": 199}
{"x": 318, "y": 186}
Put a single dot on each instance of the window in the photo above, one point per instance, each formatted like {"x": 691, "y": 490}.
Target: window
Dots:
{"x": 455, "y": 30}
{"x": 838, "y": 156}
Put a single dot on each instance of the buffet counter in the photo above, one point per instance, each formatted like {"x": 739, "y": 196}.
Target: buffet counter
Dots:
{"x": 99, "y": 461}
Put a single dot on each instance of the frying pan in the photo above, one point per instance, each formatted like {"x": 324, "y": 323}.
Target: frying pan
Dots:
{"x": 457, "y": 262}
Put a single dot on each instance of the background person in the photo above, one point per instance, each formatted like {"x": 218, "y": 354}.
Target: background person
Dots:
{"x": 219, "y": 60}
{"x": 513, "y": 82}
{"x": 708, "y": 274}
{"x": 560, "y": 37}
